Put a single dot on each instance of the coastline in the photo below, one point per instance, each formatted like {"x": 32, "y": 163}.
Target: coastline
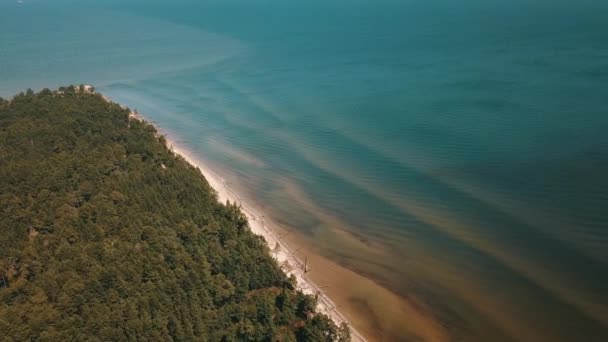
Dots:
{"x": 261, "y": 225}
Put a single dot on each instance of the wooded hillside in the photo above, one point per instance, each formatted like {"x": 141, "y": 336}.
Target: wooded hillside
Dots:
{"x": 105, "y": 234}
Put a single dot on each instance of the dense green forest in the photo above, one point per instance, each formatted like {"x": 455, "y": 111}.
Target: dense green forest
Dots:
{"x": 107, "y": 235}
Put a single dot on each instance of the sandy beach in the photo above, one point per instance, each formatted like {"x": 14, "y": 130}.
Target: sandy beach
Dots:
{"x": 261, "y": 225}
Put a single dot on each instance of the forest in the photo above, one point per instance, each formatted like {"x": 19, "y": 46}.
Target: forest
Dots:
{"x": 107, "y": 235}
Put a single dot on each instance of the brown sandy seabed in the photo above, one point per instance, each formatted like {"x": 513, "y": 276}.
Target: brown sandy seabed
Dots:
{"x": 465, "y": 307}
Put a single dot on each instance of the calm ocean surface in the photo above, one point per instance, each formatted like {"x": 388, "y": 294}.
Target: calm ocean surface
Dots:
{"x": 455, "y": 154}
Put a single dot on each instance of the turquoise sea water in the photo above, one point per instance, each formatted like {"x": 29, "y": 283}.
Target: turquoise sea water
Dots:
{"x": 463, "y": 148}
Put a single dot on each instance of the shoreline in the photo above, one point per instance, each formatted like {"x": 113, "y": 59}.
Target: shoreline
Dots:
{"x": 259, "y": 224}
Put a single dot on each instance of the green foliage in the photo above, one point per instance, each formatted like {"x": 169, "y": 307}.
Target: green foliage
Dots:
{"x": 105, "y": 234}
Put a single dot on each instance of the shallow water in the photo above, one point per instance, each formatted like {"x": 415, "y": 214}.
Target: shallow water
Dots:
{"x": 455, "y": 156}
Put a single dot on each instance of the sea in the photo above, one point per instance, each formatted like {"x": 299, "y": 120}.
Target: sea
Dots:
{"x": 449, "y": 159}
